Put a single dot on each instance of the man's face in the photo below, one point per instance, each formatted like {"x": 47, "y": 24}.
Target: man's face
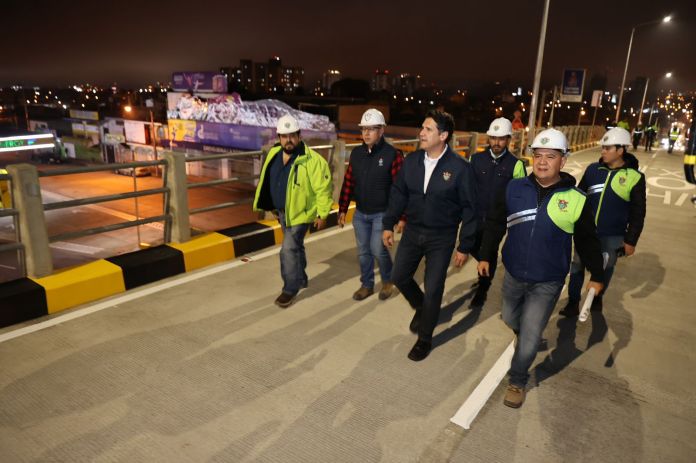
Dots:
{"x": 429, "y": 136}
{"x": 547, "y": 164}
{"x": 611, "y": 154}
{"x": 371, "y": 135}
{"x": 289, "y": 141}
{"x": 498, "y": 144}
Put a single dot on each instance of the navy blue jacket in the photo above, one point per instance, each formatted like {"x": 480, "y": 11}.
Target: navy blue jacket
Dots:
{"x": 538, "y": 249}
{"x": 493, "y": 175}
{"x": 617, "y": 197}
{"x": 449, "y": 200}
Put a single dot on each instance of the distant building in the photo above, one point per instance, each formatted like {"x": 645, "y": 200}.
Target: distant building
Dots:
{"x": 407, "y": 84}
{"x": 381, "y": 81}
{"x": 260, "y": 78}
{"x": 329, "y": 78}
{"x": 292, "y": 79}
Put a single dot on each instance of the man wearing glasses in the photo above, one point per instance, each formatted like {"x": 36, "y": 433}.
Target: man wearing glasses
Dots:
{"x": 371, "y": 171}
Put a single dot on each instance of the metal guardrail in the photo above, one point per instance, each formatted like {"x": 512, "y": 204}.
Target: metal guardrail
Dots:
{"x": 176, "y": 212}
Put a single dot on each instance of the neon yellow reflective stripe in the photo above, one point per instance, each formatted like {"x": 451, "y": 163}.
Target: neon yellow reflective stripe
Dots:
{"x": 690, "y": 159}
{"x": 623, "y": 182}
{"x": 564, "y": 209}
{"x": 519, "y": 171}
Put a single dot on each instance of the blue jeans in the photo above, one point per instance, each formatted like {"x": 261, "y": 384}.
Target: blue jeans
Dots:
{"x": 436, "y": 246}
{"x": 293, "y": 260}
{"x": 609, "y": 245}
{"x": 368, "y": 236}
{"x": 527, "y": 308}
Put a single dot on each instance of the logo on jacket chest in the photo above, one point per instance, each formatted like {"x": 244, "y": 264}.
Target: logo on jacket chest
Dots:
{"x": 563, "y": 205}
{"x": 446, "y": 176}
{"x": 380, "y": 163}
{"x": 622, "y": 180}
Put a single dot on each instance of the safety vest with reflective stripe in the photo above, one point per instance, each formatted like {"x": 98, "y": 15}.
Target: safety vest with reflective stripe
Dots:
{"x": 609, "y": 194}
{"x": 674, "y": 134}
{"x": 538, "y": 247}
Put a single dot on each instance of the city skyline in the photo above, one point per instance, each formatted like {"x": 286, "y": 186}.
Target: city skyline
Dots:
{"x": 77, "y": 43}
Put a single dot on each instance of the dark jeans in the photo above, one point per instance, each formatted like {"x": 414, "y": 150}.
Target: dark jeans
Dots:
{"x": 368, "y": 236}
{"x": 483, "y": 281}
{"x": 293, "y": 260}
{"x": 527, "y": 308}
{"x": 609, "y": 245}
{"x": 436, "y": 245}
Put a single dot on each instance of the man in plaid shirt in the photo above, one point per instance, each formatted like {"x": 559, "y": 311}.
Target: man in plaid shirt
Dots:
{"x": 371, "y": 171}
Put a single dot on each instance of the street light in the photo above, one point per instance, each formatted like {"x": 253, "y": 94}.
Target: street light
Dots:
{"x": 666, "y": 19}
{"x": 537, "y": 73}
{"x": 127, "y": 108}
{"x": 668, "y": 75}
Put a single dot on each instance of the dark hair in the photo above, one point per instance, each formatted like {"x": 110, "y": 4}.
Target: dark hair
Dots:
{"x": 444, "y": 122}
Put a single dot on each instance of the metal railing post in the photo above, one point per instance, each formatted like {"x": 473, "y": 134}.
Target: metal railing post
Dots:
{"x": 26, "y": 195}
{"x": 473, "y": 143}
{"x": 338, "y": 168}
{"x": 178, "y": 196}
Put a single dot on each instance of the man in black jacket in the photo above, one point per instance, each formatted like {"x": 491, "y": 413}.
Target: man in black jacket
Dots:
{"x": 436, "y": 190}
{"x": 371, "y": 171}
{"x": 493, "y": 169}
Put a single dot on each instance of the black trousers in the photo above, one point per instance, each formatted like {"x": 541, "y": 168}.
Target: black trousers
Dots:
{"x": 483, "y": 281}
{"x": 436, "y": 245}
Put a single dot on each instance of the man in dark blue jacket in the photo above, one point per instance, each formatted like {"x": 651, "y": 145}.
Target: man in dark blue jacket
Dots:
{"x": 542, "y": 214}
{"x": 615, "y": 190}
{"x": 436, "y": 191}
{"x": 493, "y": 169}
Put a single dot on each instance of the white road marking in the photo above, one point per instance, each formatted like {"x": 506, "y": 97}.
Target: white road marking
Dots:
{"x": 478, "y": 398}
{"x": 74, "y": 247}
{"x": 136, "y": 294}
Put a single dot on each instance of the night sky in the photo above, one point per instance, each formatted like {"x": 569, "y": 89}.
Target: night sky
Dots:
{"x": 452, "y": 43}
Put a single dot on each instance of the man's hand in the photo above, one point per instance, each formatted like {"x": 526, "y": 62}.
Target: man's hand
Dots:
{"x": 630, "y": 250}
{"x": 598, "y": 287}
{"x": 341, "y": 219}
{"x": 319, "y": 223}
{"x": 460, "y": 258}
{"x": 400, "y": 226}
{"x": 388, "y": 238}
{"x": 483, "y": 268}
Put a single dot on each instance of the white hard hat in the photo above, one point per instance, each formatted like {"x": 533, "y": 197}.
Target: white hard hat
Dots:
{"x": 500, "y": 127}
{"x": 552, "y": 139}
{"x": 372, "y": 117}
{"x": 616, "y": 136}
{"x": 287, "y": 124}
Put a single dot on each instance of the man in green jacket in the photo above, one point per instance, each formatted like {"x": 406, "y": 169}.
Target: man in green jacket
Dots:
{"x": 295, "y": 184}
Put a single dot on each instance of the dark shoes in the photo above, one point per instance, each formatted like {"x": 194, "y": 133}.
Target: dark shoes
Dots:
{"x": 479, "y": 298}
{"x": 413, "y": 327}
{"x": 514, "y": 396}
{"x": 572, "y": 309}
{"x": 285, "y": 300}
{"x": 596, "y": 304}
{"x": 420, "y": 350}
{"x": 362, "y": 293}
{"x": 386, "y": 291}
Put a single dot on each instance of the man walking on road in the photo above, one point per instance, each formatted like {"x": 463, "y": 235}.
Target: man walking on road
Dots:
{"x": 372, "y": 168}
{"x": 493, "y": 169}
{"x": 437, "y": 192}
{"x": 542, "y": 214}
{"x": 295, "y": 184}
{"x": 615, "y": 190}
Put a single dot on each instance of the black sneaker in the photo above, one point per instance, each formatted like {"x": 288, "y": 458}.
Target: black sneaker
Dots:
{"x": 414, "y": 322}
{"x": 479, "y": 298}
{"x": 285, "y": 300}
{"x": 596, "y": 304}
{"x": 420, "y": 350}
{"x": 572, "y": 309}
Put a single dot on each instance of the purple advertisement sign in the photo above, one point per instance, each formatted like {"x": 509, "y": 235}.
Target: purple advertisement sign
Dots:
{"x": 199, "y": 82}
{"x": 242, "y": 137}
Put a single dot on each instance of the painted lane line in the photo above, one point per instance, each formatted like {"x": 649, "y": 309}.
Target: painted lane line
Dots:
{"x": 136, "y": 294}
{"x": 478, "y": 398}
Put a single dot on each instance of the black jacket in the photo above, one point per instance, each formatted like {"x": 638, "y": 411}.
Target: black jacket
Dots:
{"x": 492, "y": 175}
{"x": 449, "y": 200}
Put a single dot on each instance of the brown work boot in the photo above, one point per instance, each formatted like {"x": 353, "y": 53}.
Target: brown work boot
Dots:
{"x": 285, "y": 300}
{"x": 386, "y": 291}
{"x": 514, "y": 396}
{"x": 362, "y": 293}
